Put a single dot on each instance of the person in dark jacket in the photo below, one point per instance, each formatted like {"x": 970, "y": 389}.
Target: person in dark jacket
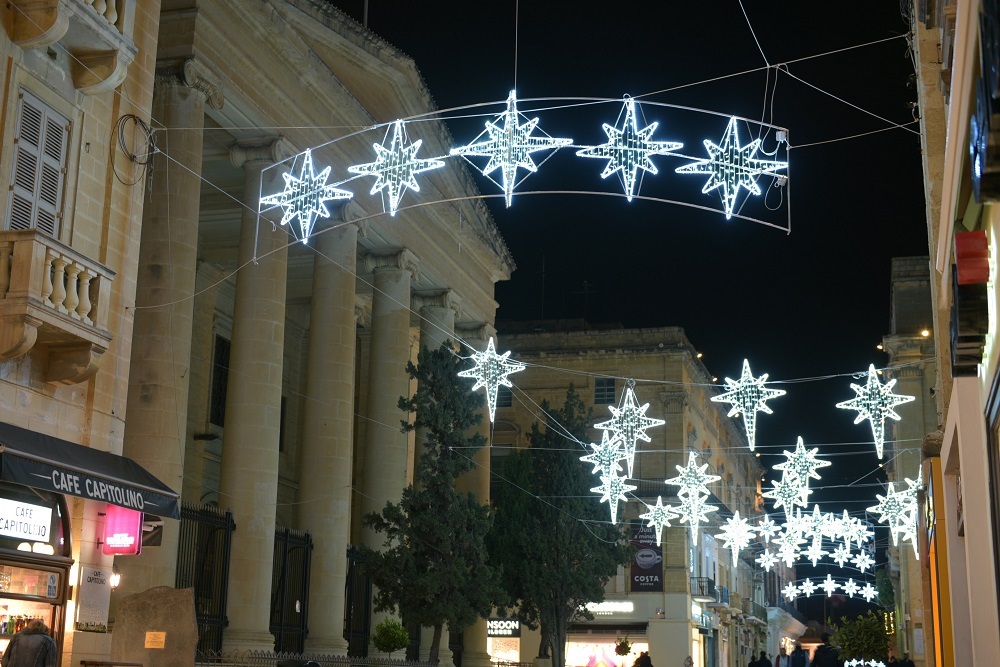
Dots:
{"x": 643, "y": 660}
{"x": 906, "y": 662}
{"x": 799, "y": 657}
{"x": 826, "y": 655}
{"x": 31, "y": 647}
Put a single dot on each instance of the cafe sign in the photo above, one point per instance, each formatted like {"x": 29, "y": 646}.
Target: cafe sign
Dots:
{"x": 25, "y": 521}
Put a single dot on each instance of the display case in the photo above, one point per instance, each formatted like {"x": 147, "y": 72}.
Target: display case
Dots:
{"x": 31, "y": 591}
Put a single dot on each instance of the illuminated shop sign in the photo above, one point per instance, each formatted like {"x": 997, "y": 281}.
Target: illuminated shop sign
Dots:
{"x": 122, "y": 532}
{"x": 25, "y": 521}
{"x": 610, "y": 607}
{"x": 503, "y": 627}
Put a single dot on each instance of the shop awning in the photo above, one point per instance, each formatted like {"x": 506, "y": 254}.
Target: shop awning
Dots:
{"x": 43, "y": 462}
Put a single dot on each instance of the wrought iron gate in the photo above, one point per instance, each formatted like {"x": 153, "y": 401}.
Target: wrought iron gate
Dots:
{"x": 290, "y": 590}
{"x": 358, "y": 605}
{"x": 203, "y": 564}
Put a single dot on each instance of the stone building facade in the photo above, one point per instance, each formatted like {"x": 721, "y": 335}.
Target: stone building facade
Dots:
{"x": 707, "y": 607}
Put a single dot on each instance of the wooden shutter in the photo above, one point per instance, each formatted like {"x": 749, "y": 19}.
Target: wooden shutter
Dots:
{"x": 39, "y": 169}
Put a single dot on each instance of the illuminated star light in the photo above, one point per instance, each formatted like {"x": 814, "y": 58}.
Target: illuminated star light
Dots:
{"x": 875, "y": 402}
{"x": 396, "y": 167}
{"x": 802, "y": 463}
{"x": 613, "y": 489}
{"x": 868, "y": 592}
{"x": 304, "y": 196}
{"x": 629, "y": 425}
{"x": 692, "y": 479}
{"x": 808, "y": 587}
{"x": 850, "y": 588}
{"x": 692, "y": 511}
{"x": 829, "y": 585}
{"x": 790, "y": 591}
{"x": 731, "y": 167}
{"x": 893, "y": 511}
{"x": 491, "y": 371}
{"x": 815, "y": 552}
{"x": 841, "y": 555}
{"x": 606, "y": 456}
{"x": 628, "y": 149}
{"x": 767, "y": 528}
{"x": 748, "y": 397}
{"x": 787, "y": 492}
{"x": 736, "y": 534}
{"x": 766, "y": 560}
{"x": 659, "y": 515}
{"x": 509, "y": 146}
{"x": 862, "y": 561}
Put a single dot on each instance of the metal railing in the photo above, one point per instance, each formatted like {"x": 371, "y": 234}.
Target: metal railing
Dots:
{"x": 721, "y": 596}
{"x": 269, "y": 659}
{"x": 206, "y": 535}
{"x": 702, "y": 589}
{"x": 755, "y": 609}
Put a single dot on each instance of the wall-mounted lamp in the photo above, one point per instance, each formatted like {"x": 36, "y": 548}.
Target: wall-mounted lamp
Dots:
{"x": 115, "y": 578}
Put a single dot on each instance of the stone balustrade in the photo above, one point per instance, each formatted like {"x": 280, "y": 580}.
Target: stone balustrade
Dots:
{"x": 107, "y": 10}
{"x": 53, "y": 296}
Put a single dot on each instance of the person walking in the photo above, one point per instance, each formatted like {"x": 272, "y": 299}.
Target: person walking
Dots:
{"x": 782, "y": 659}
{"x": 643, "y": 660}
{"x": 906, "y": 662}
{"x": 799, "y": 657}
{"x": 826, "y": 655}
{"x": 31, "y": 647}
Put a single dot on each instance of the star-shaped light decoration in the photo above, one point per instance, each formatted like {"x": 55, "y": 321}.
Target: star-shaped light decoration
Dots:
{"x": 841, "y": 555}
{"x": 790, "y": 591}
{"x": 629, "y": 425}
{"x": 658, "y": 516}
{"x": 628, "y": 149}
{"x": 862, "y": 561}
{"x": 814, "y": 552}
{"x": 693, "y": 479}
{"x": 748, "y": 397}
{"x": 801, "y": 464}
{"x": 736, "y": 534}
{"x": 787, "y": 493}
{"x": 875, "y": 402}
{"x": 767, "y": 528}
{"x": 693, "y": 510}
{"x": 829, "y": 585}
{"x": 305, "y": 197}
{"x": 869, "y": 592}
{"x": 731, "y": 167}
{"x": 893, "y": 511}
{"x": 807, "y": 587}
{"x": 396, "y": 167}
{"x": 766, "y": 560}
{"x": 613, "y": 489}
{"x": 509, "y": 146}
{"x": 606, "y": 456}
{"x": 850, "y": 588}
{"x": 491, "y": 371}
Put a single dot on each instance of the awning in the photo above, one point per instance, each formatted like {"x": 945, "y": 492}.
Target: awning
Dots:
{"x": 43, "y": 462}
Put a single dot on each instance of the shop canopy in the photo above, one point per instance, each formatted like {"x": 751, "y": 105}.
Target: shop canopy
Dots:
{"x": 43, "y": 462}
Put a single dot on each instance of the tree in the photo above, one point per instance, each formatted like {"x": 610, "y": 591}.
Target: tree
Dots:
{"x": 390, "y": 636}
{"x": 433, "y": 566}
{"x": 864, "y": 636}
{"x": 551, "y": 537}
{"x": 886, "y": 591}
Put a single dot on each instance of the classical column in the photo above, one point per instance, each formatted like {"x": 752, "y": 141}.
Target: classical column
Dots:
{"x": 249, "y": 480}
{"x": 385, "y": 459}
{"x": 156, "y": 424}
{"x": 477, "y": 482}
{"x": 326, "y": 461}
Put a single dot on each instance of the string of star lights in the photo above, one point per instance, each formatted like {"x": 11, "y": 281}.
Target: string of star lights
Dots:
{"x": 491, "y": 371}
{"x": 658, "y": 516}
{"x": 509, "y": 146}
{"x": 396, "y": 167}
{"x": 305, "y": 196}
{"x": 875, "y": 402}
{"x": 629, "y": 149}
{"x": 693, "y": 493}
{"x": 748, "y": 396}
{"x": 629, "y": 423}
{"x": 829, "y": 587}
{"x": 899, "y": 511}
{"x": 857, "y": 662}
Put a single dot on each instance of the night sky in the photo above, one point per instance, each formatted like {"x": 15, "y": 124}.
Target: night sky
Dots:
{"x": 811, "y": 303}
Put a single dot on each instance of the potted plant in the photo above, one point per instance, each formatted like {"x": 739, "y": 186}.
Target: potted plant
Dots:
{"x": 622, "y": 645}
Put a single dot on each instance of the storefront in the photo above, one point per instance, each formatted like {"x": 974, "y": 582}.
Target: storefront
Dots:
{"x": 37, "y": 472}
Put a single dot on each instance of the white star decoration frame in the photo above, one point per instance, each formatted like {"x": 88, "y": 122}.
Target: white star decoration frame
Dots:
{"x": 875, "y": 402}
{"x": 629, "y": 423}
{"x": 748, "y": 396}
{"x": 305, "y": 196}
{"x": 491, "y": 371}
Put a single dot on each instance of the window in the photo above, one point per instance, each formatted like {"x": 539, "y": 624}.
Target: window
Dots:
{"x": 505, "y": 397}
{"x": 38, "y": 172}
{"x": 604, "y": 391}
{"x": 220, "y": 378}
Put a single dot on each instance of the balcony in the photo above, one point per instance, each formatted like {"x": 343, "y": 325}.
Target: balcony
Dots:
{"x": 721, "y": 598}
{"x": 53, "y": 297}
{"x": 702, "y": 589}
{"x": 704, "y": 623}
{"x": 754, "y": 611}
{"x": 735, "y": 604}
{"x": 94, "y": 33}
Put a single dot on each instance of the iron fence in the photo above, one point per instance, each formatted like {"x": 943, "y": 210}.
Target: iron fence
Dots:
{"x": 206, "y": 535}
{"x": 290, "y": 590}
{"x": 702, "y": 589}
{"x": 270, "y": 659}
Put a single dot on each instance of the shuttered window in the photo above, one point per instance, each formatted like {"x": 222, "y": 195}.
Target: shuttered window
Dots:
{"x": 39, "y": 169}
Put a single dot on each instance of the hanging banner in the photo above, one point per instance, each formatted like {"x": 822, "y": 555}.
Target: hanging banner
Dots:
{"x": 647, "y": 563}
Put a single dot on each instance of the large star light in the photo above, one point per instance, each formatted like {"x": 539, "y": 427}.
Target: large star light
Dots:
{"x": 829, "y": 585}
{"x": 305, "y": 196}
{"x": 787, "y": 493}
{"x": 731, "y": 167}
{"x": 767, "y": 528}
{"x": 893, "y": 510}
{"x": 491, "y": 371}
{"x": 790, "y": 591}
{"x": 658, "y": 516}
{"x": 808, "y": 587}
{"x": 736, "y": 534}
{"x": 748, "y": 397}
{"x": 802, "y": 464}
{"x": 606, "y": 456}
{"x": 693, "y": 480}
{"x": 509, "y": 146}
{"x": 629, "y": 425}
{"x": 868, "y": 592}
{"x": 613, "y": 489}
{"x": 862, "y": 561}
{"x": 396, "y": 167}
{"x": 628, "y": 148}
{"x": 766, "y": 560}
{"x": 851, "y": 588}
{"x": 841, "y": 555}
{"x": 875, "y": 402}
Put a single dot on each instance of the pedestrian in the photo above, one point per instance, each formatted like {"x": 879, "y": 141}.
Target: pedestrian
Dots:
{"x": 688, "y": 662}
{"x": 643, "y": 660}
{"x": 782, "y": 659}
{"x": 764, "y": 660}
{"x": 906, "y": 662}
{"x": 826, "y": 655}
{"x": 799, "y": 657}
{"x": 31, "y": 647}
{"x": 892, "y": 661}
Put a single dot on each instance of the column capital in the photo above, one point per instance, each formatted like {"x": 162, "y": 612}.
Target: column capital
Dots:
{"x": 265, "y": 151}
{"x": 477, "y": 332}
{"x": 192, "y": 74}
{"x": 403, "y": 259}
{"x": 363, "y": 309}
{"x": 440, "y": 298}
{"x": 674, "y": 401}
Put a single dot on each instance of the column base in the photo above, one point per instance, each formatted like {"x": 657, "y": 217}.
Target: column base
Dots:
{"x": 326, "y": 646}
{"x": 475, "y": 659}
{"x": 247, "y": 640}
{"x": 542, "y": 662}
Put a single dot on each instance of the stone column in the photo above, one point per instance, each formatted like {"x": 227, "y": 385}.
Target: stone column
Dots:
{"x": 249, "y": 481}
{"x": 156, "y": 424}
{"x": 385, "y": 459}
{"x": 327, "y": 444}
{"x": 477, "y": 482}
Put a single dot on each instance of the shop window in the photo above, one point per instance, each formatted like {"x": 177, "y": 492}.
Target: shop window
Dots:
{"x": 220, "y": 379}
{"x": 604, "y": 391}
{"x": 38, "y": 172}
